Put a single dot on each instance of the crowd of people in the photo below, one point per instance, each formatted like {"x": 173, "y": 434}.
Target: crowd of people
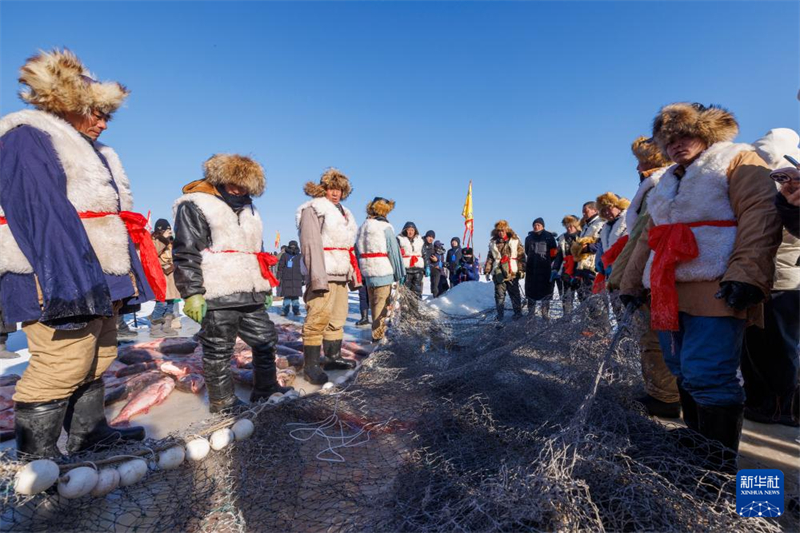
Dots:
{"x": 707, "y": 248}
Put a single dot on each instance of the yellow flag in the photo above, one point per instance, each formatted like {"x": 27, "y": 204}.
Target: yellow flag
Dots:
{"x": 467, "y": 211}
{"x": 277, "y": 239}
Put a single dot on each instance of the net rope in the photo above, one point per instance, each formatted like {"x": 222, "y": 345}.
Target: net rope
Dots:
{"x": 452, "y": 424}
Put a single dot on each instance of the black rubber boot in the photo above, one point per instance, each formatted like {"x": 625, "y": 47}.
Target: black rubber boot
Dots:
{"x": 689, "y": 408}
{"x": 723, "y": 424}
{"x": 333, "y": 357}
{"x": 265, "y": 378}
{"x": 656, "y": 407}
{"x": 364, "y": 320}
{"x": 86, "y": 423}
{"x": 37, "y": 426}
{"x": 219, "y": 383}
{"x": 311, "y": 370}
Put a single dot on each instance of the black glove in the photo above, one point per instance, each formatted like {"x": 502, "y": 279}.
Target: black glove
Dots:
{"x": 739, "y": 295}
{"x": 629, "y": 300}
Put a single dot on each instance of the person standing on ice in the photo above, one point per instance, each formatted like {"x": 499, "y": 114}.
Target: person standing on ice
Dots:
{"x": 452, "y": 259}
{"x": 68, "y": 261}
{"x": 327, "y": 243}
{"x": 613, "y": 236}
{"x": 708, "y": 258}
{"x": 162, "y": 316}
{"x": 411, "y": 248}
{"x": 564, "y": 264}
{"x": 290, "y": 276}
{"x": 540, "y": 251}
{"x": 584, "y": 249}
{"x": 505, "y": 263}
{"x": 468, "y": 268}
{"x": 661, "y": 391}
{"x": 224, "y": 276}
{"x": 380, "y": 260}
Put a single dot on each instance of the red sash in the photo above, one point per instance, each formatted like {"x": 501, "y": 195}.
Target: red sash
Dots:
{"x": 608, "y": 258}
{"x": 136, "y": 224}
{"x": 265, "y": 260}
{"x": 672, "y": 244}
{"x": 353, "y": 261}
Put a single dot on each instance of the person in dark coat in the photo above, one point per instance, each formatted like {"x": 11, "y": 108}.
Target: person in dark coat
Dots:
{"x": 68, "y": 241}
{"x": 467, "y": 269}
{"x": 540, "y": 251}
{"x": 452, "y": 258}
{"x": 443, "y": 285}
{"x": 290, "y": 277}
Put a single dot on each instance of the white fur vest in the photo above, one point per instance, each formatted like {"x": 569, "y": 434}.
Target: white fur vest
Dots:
{"x": 611, "y": 233}
{"x": 229, "y": 273}
{"x": 371, "y": 239}
{"x": 513, "y": 263}
{"x": 701, "y": 195}
{"x": 409, "y": 249}
{"x": 88, "y": 189}
{"x": 635, "y": 209}
{"x": 338, "y": 234}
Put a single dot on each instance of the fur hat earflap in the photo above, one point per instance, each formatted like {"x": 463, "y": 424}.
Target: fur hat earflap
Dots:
{"x": 57, "y": 82}
{"x": 713, "y": 124}
{"x": 332, "y": 178}
{"x": 380, "y": 207}
{"x": 610, "y": 199}
{"x": 648, "y": 153}
{"x": 237, "y": 170}
{"x": 570, "y": 220}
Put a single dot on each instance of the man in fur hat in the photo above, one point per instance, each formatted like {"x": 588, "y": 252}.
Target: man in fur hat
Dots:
{"x": 224, "y": 275}
{"x": 661, "y": 390}
{"x": 613, "y": 235}
{"x": 68, "y": 261}
{"x": 327, "y": 243}
{"x": 412, "y": 249}
{"x": 506, "y": 264}
{"x": 564, "y": 263}
{"x": 380, "y": 260}
{"x": 584, "y": 249}
{"x": 708, "y": 258}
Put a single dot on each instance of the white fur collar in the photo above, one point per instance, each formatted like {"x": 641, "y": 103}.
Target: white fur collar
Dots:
{"x": 644, "y": 187}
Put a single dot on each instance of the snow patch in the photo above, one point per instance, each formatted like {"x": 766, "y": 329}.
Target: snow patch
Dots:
{"x": 466, "y": 298}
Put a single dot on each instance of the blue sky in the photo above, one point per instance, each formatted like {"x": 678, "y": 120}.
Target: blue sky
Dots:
{"x": 535, "y": 102}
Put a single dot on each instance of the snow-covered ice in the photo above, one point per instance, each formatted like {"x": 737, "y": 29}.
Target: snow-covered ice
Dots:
{"x": 466, "y": 298}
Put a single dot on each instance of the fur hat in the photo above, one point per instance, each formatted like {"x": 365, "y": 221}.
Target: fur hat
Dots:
{"x": 57, "y": 82}
{"x": 577, "y": 248}
{"x": 713, "y": 124}
{"x": 648, "y": 154}
{"x": 610, "y": 199}
{"x": 570, "y": 220}
{"x": 380, "y": 207}
{"x": 332, "y": 178}
{"x": 502, "y": 225}
{"x": 237, "y": 170}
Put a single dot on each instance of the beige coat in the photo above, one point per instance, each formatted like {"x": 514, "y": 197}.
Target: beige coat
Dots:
{"x": 164, "y": 251}
{"x": 752, "y": 195}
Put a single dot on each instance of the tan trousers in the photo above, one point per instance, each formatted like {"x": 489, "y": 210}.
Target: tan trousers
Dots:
{"x": 61, "y": 361}
{"x": 659, "y": 382}
{"x": 326, "y": 314}
{"x": 378, "y": 300}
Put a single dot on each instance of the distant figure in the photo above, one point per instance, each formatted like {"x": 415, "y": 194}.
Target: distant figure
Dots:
{"x": 411, "y": 249}
{"x": 506, "y": 265}
{"x": 452, "y": 259}
{"x": 290, "y": 274}
{"x": 540, "y": 251}
{"x": 162, "y": 316}
{"x": 468, "y": 268}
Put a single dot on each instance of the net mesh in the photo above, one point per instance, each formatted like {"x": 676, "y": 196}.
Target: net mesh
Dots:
{"x": 452, "y": 424}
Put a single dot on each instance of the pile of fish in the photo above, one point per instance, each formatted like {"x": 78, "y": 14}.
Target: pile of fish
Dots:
{"x": 145, "y": 374}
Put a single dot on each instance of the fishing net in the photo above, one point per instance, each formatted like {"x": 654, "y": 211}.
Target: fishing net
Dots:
{"x": 452, "y": 424}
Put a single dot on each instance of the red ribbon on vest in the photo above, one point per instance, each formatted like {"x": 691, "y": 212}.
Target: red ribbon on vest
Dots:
{"x": 353, "y": 261}
{"x": 414, "y": 258}
{"x": 569, "y": 265}
{"x": 371, "y": 256}
{"x": 265, "y": 260}
{"x": 136, "y": 224}
{"x": 608, "y": 259}
{"x": 672, "y": 244}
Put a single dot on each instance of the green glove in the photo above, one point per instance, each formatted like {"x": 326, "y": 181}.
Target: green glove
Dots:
{"x": 268, "y": 302}
{"x": 195, "y": 307}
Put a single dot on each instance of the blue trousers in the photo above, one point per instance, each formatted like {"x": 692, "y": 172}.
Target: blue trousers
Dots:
{"x": 294, "y": 303}
{"x": 704, "y": 355}
{"x": 161, "y": 310}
